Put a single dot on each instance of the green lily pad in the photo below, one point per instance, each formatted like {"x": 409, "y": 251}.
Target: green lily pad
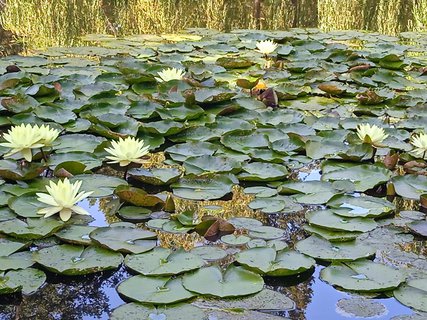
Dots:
{"x": 308, "y": 192}
{"x": 100, "y": 184}
{"x": 235, "y": 240}
{"x": 362, "y": 275}
{"x": 26, "y": 205}
{"x": 266, "y": 232}
{"x": 329, "y": 220}
{"x": 258, "y": 171}
{"x": 211, "y": 164}
{"x": 234, "y": 282}
{"x": 209, "y": 253}
{"x": 124, "y": 239}
{"x": 163, "y": 262}
{"x": 364, "y": 206}
{"x": 410, "y": 186}
{"x": 203, "y": 188}
{"x": 137, "y": 311}
{"x": 181, "y": 152}
{"x": 134, "y": 214}
{"x": 157, "y": 290}
{"x": 413, "y": 294}
{"x": 77, "y": 260}
{"x": 320, "y": 248}
{"x": 76, "y": 234}
{"x": 16, "y": 261}
{"x": 29, "y": 280}
{"x": 267, "y": 261}
{"x": 155, "y": 176}
{"x": 418, "y": 227}
{"x": 363, "y": 176}
{"x": 32, "y": 228}
{"x": 245, "y": 223}
{"x": 331, "y": 235}
{"x": 8, "y": 246}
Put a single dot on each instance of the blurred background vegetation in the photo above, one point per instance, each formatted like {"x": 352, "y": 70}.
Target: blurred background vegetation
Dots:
{"x": 45, "y": 23}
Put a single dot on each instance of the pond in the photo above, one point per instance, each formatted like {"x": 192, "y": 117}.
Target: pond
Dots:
{"x": 39, "y": 23}
{"x": 293, "y": 173}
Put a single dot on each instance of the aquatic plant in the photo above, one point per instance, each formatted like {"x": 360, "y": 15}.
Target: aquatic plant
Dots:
{"x": 22, "y": 139}
{"x": 170, "y": 74}
{"x": 420, "y": 143}
{"x": 62, "y": 197}
{"x": 371, "y": 134}
{"x": 126, "y": 151}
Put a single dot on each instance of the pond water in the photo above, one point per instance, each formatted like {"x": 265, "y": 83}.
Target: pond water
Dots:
{"x": 90, "y": 70}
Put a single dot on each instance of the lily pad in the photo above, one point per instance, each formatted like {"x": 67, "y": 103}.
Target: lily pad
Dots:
{"x": 362, "y": 275}
{"x": 320, "y": 248}
{"x": 77, "y": 260}
{"x": 32, "y": 228}
{"x": 29, "y": 280}
{"x": 76, "y": 234}
{"x": 267, "y": 261}
{"x": 258, "y": 171}
{"x": 410, "y": 186}
{"x": 364, "y": 206}
{"x": 155, "y": 176}
{"x": 9, "y": 246}
{"x": 329, "y": 220}
{"x": 26, "y": 205}
{"x": 134, "y": 214}
{"x": 156, "y": 290}
{"x": 209, "y": 253}
{"x": 16, "y": 261}
{"x": 203, "y": 188}
{"x": 266, "y": 232}
{"x": 234, "y": 282}
{"x": 137, "y": 311}
{"x": 163, "y": 262}
{"x": 124, "y": 239}
{"x": 413, "y": 294}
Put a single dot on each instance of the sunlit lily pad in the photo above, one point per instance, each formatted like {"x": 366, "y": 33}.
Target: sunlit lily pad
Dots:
{"x": 332, "y": 235}
{"x": 163, "y": 262}
{"x": 364, "y": 206}
{"x": 124, "y": 239}
{"x": 362, "y": 275}
{"x": 320, "y": 248}
{"x": 203, "y": 188}
{"x": 209, "y": 253}
{"x": 235, "y": 240}
{"x": 26, "y": 205}
{"x": 156, "y": 290}
{"x": 267, "y": 261}
{"x": 259, "y": 171}
{"x": 211, "y": 164}
{"x": 410, "y": 186}
{"x": 329, "y": 220}
{"x": 134, "y": 214}
{"x": 363, "y": 176}
{"x": 76, "y": 260}
{"x": 235, "y": 282}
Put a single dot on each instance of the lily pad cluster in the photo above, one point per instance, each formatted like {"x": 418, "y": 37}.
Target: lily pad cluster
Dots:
{"x": 355, "y": 115}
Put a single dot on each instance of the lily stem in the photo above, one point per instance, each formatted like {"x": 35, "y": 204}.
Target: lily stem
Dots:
{"x": 126, "y": 172}
{"x": 373, "y": 154}
{"x": 43, "y": 155}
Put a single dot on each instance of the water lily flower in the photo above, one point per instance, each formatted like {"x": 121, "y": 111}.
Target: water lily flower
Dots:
{"x": 48, "y": 135}
{"x": 22, "y": 139}
{"x": 420, "y": 143}
{"x": 62, "y": 197}
{"x": 266, "y": 46}
{"x": 373, "y": 135}
{"x": 170, "y": 74}
{"x": 126, "y": 151}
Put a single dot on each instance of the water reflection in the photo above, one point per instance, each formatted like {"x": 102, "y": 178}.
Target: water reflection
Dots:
{"x": 68, "y": 298}
{"x": 61, "y": 22}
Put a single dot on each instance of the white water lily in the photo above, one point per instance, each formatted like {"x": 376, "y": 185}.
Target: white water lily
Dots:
{"x": 170, "y": 74}
{"x": 420, "y": 143}
{"x": 62, "y": 197}
{"x": 22, "y": 139}
{"x": 373, "y": 135}
{"x": 126, "y": 151}
{"x": 266, "y": 46}
{"x": 48, "y": 135}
